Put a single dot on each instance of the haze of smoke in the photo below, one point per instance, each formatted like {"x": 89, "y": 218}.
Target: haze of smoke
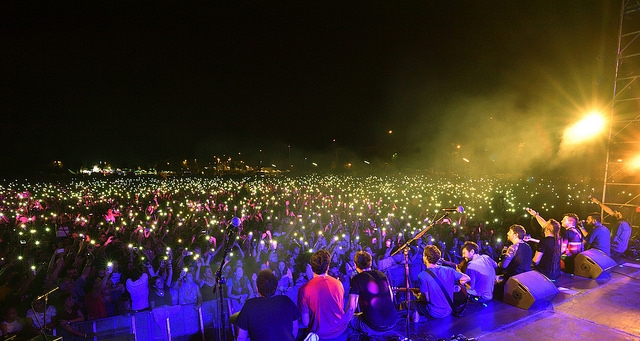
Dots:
{"x": 493, "y": 133}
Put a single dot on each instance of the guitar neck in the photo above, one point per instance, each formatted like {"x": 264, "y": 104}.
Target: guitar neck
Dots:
{"x": 448, "y": 263}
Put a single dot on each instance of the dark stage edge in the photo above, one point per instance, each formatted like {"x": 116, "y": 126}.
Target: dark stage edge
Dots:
{"x": 606, "y": 308}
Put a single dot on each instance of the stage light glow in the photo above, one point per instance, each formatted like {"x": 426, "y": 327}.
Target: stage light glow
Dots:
{"x": 635, "y": 163}
{"x": 589, "y": 127}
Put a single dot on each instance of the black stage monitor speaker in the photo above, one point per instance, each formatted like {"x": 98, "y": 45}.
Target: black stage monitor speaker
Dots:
{"x": 591, "y": 263}
{"x": 525, "y": 289}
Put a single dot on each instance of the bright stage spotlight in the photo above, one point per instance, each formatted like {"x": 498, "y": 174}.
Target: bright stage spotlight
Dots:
{"x": 635, "y": 163}
{"x": 589, "y": 127}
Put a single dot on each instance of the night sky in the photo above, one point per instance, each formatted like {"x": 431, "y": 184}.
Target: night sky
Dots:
{"x": 305, "y": 82}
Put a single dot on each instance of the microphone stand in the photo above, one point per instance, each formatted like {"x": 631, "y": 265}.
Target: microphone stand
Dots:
{"x": 43, "y": 327}
{"x": 405, "y": 250}
{"x": 219, "y": 286}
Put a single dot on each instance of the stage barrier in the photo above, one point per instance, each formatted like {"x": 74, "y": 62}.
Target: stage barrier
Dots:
{"x": 179, "y": 322}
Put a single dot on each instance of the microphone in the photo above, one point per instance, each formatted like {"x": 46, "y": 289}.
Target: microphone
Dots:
{"x": 458, "y": 209}
{"x": 48, "y": 293}
{"x": 235, "y": 222}
{"x": 233, "y": 226}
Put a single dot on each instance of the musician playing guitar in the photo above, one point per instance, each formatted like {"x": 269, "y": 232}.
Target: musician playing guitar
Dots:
{"x": 481, "y": 269}
{"x": 435, "y": 282}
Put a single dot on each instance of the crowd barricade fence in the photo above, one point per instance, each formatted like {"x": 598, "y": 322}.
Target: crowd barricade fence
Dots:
{"x": 178, "y": 322}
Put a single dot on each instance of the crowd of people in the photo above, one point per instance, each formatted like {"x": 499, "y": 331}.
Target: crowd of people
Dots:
{"x": 108, "y": 246}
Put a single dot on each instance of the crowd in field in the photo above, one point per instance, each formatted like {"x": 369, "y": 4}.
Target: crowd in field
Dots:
{"x": 108, "y": 246}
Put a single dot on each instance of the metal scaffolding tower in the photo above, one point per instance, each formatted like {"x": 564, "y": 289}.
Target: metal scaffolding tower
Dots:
{"x": 621, "y": 189}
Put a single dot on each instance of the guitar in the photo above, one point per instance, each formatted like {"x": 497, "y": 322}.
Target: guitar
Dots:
{"x": 460, "y": 266}
{"x": 414, "y": 291}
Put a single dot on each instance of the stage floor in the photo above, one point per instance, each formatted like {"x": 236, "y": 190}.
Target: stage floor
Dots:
{"x": 607, "y": 308}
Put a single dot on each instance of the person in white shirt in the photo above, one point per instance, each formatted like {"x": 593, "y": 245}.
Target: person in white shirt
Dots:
{"x": 138, "y": 287}
{"x": 41, "y": 316}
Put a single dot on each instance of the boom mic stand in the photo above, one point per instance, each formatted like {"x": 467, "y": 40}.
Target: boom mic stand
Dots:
{"x": 221, "y": 281}
{"x": 43, "y": 326}
{"x": 405, "y": 250}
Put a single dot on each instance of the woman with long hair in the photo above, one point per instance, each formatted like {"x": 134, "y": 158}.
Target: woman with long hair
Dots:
{"x": 207, "y": 282}
{"x": 239, "y": 289}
